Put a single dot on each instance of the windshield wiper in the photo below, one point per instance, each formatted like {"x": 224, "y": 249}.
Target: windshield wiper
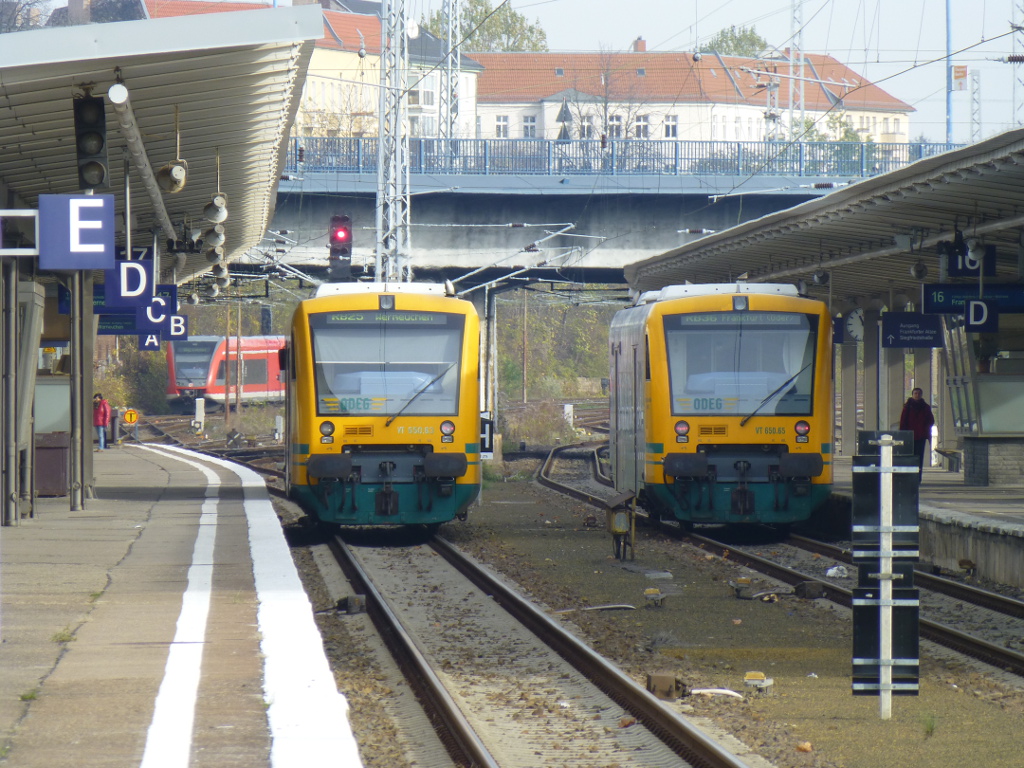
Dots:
{"x": 781, "y": 387}
{"x": 419, "y": 392}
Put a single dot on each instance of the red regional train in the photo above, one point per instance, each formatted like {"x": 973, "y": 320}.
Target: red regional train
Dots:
{"x": 197, "y": 368}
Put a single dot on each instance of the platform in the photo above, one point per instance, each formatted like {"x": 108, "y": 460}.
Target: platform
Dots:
{"x": 164, "y": 625}
{"x": 964, "y": 524}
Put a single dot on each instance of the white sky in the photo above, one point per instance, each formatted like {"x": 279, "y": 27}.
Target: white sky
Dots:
{"x": 879, "y": 39}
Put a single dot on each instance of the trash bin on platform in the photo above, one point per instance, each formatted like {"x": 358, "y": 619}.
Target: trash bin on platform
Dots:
{"x": 52, "y": 460}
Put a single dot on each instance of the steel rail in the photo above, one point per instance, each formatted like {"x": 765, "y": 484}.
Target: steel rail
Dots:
{"x": 457, "y": 733}
{"x": 687, "y": 741}
{"x": 997, "y": 656}
{"x": 968, "y": 593}
{"x": 544, "y": 475}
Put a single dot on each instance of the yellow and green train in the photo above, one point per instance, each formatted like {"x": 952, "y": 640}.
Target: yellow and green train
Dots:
{"x": 722, "y": 403}
{"x": 384, "y": 405}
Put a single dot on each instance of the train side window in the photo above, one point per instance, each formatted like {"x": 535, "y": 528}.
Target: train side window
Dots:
{"x": 647, "y": 355}
{"x": 254, "y": 371}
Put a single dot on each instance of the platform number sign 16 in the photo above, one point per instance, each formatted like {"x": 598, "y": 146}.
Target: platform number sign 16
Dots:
{"x": 971, "y": 260}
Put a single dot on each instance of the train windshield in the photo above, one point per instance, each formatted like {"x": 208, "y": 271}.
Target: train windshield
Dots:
{"x": 380, "y": 362}
{"x": 192, "y": 361}
{"x": 733, "y": 363}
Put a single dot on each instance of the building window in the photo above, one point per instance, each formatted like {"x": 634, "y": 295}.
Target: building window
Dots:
{"x": 422, "y": 95}
{"x": 896, "y": 125}
{"x": 642, "y": 127}
{"x": 641, "y": 72}
{"x": 529, "y": 126}
{"x": 501, "y": 127}
{"x": 422, "y": 126}
{"x": 587, "y": 128}
{"x": 615, "y": 126}
{"x": 671, "y": 127}
{"x": 559, "y": 72}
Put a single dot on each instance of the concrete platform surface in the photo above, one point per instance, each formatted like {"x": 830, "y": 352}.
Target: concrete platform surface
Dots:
{"x": 163, "y": 625}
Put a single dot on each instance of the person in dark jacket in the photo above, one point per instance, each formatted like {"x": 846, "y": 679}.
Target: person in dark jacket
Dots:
{"x": 917, "y": 418}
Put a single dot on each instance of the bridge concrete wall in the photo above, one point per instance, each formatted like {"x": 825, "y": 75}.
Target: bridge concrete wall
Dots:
{"x": 611, "y": 229}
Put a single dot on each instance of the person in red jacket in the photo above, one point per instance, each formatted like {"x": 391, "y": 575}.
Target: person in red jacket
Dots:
{"x": 100, "y": 418}
{"x": 917, "y": 418}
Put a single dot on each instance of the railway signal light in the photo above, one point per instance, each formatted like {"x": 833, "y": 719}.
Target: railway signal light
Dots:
{"x": 339, "y": 237}
{"x": 91, "y": 142}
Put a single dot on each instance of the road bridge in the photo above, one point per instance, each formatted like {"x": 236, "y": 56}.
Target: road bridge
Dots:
{"x": 627, "y": 199}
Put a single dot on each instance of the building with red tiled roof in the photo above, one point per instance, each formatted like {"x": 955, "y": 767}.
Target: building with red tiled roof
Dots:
{"x": 676, "y": 95}
{"x": 341, "y": 93}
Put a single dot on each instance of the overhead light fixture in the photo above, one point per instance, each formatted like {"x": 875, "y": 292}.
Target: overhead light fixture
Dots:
{"x": 214, "y": 236}
{"x": 223, "y": 282}
{"x": 975, "y": 250}
{"x": 215, "y": 254}
{"x": 173, "y": 176}
{"x": 820, "y": 277}
{"x": 219, "y": 270}
{"x": 180, "y": 260}
{"x": 919, "y": 271}
{"x": 212, "y": 291}
{"x": 193, "y": 299}
{"x": 216, "y": 210}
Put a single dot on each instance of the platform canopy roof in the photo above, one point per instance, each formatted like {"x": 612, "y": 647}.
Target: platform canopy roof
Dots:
{"x": 872, "y": 238}
{"x": 218, "y": 91}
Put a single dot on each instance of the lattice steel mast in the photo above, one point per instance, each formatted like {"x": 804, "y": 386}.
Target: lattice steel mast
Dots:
{"x": 448, "y": 117}
{"x": 796, "y": 73}
{"x": 393, "y": 246}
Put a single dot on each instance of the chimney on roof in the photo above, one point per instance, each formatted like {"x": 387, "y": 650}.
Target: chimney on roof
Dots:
{"x": 639, "y": 45}
{"x": 78, "y": 12}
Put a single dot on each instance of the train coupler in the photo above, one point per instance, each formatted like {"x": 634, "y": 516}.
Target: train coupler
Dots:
{"x": 422, "y": 487}
{"x": 386, "y": 501}
{"x": 742, "y": 501}
{"x": 778, "y": 481}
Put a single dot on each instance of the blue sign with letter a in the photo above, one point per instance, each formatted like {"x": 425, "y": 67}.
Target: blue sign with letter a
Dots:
{"x": 76, "y": 232}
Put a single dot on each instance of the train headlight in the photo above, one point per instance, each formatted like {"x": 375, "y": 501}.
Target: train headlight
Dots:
{"x": 326, "y": 428}
{"x": 682, "y": 428}
{"x": 447, "y": 428}
{"x": 802, "y": 428}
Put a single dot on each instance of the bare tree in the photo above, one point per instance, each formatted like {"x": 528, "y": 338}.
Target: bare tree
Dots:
{"x": 19, "y": 15}
{"x": 607, "y": 101}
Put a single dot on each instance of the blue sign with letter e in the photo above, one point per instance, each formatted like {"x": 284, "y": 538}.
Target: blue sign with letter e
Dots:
{"x": 76, "y": 232}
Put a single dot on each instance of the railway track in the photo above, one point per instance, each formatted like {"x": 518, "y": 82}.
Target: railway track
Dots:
{"x": 177, "y": 430}
{"x": 507, "y": 683}
{"x": 978, "y": 647}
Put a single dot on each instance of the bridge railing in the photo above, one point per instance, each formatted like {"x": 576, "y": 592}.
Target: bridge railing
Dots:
{"x": 618, "y": 157}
